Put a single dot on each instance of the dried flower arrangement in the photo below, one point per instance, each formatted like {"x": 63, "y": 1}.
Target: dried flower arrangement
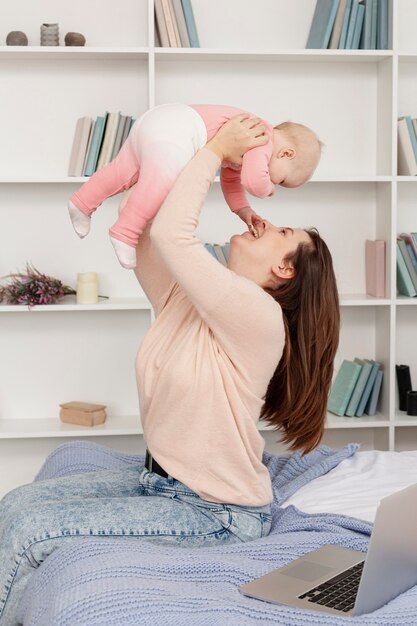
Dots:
{"x": 32, "y": 287}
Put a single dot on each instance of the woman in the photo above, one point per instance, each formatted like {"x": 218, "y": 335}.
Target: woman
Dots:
{"x": 228, "y": 345}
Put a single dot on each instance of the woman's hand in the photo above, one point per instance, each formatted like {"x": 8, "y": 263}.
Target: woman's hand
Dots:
{"x": 237, "y": 136}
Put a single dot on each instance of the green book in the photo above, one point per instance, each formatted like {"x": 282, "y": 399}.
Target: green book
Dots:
{"x": 404, "y": 283}
{"x": 359, "y": 387}
{"x": 368, "y": 388}
{"x": 343, "y": 386}
{"x": 91, "y": 162}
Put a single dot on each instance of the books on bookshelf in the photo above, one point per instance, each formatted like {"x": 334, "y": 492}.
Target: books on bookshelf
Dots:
{"x": 219, "y": 251}
{"x": 407, "y": 146}
{"x": 97, "y": 142}
{"x": 356, "y": 388}
{"x": 175, "y": 24}
{"x": 350, "y": 25}
{"x": 407, "y": 264}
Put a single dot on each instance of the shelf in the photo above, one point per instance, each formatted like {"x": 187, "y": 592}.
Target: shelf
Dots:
{"x": 72, "y": 52}
{"x": 228, "y": 54}
{"x": 366, "y": 421}
{"x": 402, "y": 419}
{"x": 406, "y": 301}
{"x": 53, "y": 427}
{"x": 362, "y": 299}
{"x": 69, "y": 304}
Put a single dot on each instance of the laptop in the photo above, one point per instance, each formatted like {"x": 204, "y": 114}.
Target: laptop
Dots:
{"x": 341, "y": 581}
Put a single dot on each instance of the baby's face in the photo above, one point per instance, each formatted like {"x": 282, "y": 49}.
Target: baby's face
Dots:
{"x": 286, "y": 172}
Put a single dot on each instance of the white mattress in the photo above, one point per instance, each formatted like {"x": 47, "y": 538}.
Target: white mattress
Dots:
{"x": 356, "y": 485}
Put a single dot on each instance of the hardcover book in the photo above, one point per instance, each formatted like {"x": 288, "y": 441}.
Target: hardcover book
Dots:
{"x": 368, "y": 388}
{"x": 343, "y": 386}
{"x": 95, "y": 145}
{"x": 338, "y": 24}
{"x": 404, "y": 283}
{"x": 358, "y": 27}
{"x": 352, "y": 23}
{"x": 79, "y": 146}
{"x": 345, "y": 25}
{"x": 366, "y": 368}
{"x": 375, "y": 393}
{"x": 382, "y": 36}
{"x": 375, "y": 267}
{"x": 410, "y": 267}
{"x": 190, "y": 21}
{"x": 182, "y": 26}
{"x": 161, "y": 24}
{"x": 108, "y": 140}
{"x": 407, "y": 165}
{"x": 322, "y": 23}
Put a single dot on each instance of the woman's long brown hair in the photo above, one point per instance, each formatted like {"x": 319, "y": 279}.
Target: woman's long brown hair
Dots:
{"x": 296, "y": 398}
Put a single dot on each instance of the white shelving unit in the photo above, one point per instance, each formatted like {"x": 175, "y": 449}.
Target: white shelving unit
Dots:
{"x": 253, "y": 59}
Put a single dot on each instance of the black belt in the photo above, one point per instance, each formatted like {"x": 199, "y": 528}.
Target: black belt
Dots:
{"x": 152, "y": 466}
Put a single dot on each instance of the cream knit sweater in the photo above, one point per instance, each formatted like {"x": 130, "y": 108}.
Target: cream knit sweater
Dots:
{"x": 204, "y": 365}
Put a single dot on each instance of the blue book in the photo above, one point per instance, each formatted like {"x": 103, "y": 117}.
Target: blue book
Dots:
{"x": 91, "y": 162}
{"x": 345, "y": 26}
{"x": 210, "y": 248}
{"x": 374, "y": 23}
{"x": 404, "y": 283}
{"x": 190, "y": 22}
{"x": 366, "y": 31}
{"x": 359, "y": 387}
{"x": 412, "y": 255}
{"x": 368, "y": 388}
{"x": 322, "y": 24}
{"x": 226, "y": 250}
{"x": 412, "y": 134}
{"x": 343, "y": 386}
{"x": 382, "y": 25}
{"x": 375, "y": 393}
{"x": 352, "y": 23}
{"x": 358, "y": 27}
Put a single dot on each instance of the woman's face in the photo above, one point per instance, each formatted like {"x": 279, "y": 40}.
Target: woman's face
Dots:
{"x": 262, "y": 258}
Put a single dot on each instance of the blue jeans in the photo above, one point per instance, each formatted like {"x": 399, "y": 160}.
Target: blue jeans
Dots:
{"x": 38, "y": 518}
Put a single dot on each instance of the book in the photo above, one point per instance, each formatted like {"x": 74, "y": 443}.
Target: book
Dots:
{"x": 375, "y": 394}
{"x": 358, "y": 390}
{"x": 108, "y": 140}
{"x": 322, "y": 23}
{"x": 169, "y": 24}
{"x": 337, "y": 27}
{"x": 343, "y": 386}
{"x": 118, "y": 140}
{"x": 412, "y": 133}
{"x": 382, "y": 25}
{"x": 374, "y": 22}
{"x": 410, "y": 267}
{"x": 366, "y": 30}
{"x": 182, "y": 26}
{"x": 226, "y": 250}
{"x": 209, "y": 247}
{"x": 126, "y": 130}
{"x": 175, "y": 24}
{"x": 411, "y": 244}
{"x": 404, "y": 283}
{"x": 161, "y": 24}
{"x": 407, "y": 165}
{"x": 345, "y": 25}
{"x": 375, "y": 267}
{"x": 190, "y": 22}
{"x": 91, "y": 161}
{"x": 352, "y": 23}
{"x": 358, "y": 27}
{"x": 219, "y": 253}
{"x": 360, "y": 410}
{"x": 79, "y": 146}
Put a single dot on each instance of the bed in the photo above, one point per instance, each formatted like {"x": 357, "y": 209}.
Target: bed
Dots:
{"x": 324, "y": 497}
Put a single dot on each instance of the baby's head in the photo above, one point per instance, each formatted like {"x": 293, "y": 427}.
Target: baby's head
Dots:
{"x": 296, "y": 153}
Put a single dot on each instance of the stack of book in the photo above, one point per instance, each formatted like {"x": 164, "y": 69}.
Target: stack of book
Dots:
{"x": 350, "y": 25}
{"x": 97, "y": 142}
{"x": 407, "y": 146}
{"x": 407, "y": 264}
{"x": 175, "y": 25}
{"x": 219, "y": 251}
{"x": 356, "y": 388}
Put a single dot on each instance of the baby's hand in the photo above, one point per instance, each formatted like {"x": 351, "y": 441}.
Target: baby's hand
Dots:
{"x": 248, "y": 215}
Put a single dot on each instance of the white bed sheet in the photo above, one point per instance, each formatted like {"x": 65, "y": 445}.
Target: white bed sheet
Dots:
{"x": 357, "y": 484}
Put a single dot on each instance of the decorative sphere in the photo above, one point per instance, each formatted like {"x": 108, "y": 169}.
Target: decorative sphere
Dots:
{"x": 16, "y": 38}
{"x": 74, "y": 39}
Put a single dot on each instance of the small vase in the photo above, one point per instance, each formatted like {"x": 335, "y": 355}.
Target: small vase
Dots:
{"x": 16, "y": 38}
{"x": 49, "y": 34}
{"x": 74, "y": 39}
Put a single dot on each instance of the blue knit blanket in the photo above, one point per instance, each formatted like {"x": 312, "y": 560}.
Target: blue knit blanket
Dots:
{"x": 123, "y": 581}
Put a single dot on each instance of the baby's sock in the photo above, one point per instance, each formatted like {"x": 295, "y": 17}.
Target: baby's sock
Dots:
{"x": 126, "y": 254}
{"x": 80, "y": 221}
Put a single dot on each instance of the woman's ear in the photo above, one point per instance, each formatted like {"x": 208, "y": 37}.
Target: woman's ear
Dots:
{"x": 285, "y": 271}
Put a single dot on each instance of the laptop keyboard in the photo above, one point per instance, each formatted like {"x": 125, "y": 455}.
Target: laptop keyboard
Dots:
{"x": 339, "y": 592}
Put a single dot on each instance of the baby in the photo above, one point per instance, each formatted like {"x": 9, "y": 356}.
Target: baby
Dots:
{"x": 159, "y": 146}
